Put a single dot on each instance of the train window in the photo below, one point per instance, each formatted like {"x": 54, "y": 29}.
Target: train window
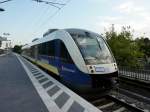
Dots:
{"x": 44, "y": 52}
{"x": 40, "y": 49}
{"x": 47, "y": 48}
{"x": 94, "y": 49}
{"x": 51, "y": 48}
{"x": 65, "y": 56}
{"x": 26, "y": 52}
{"x": 32, "y": 50}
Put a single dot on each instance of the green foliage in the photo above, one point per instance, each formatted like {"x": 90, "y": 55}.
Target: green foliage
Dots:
{"x": 17, "y": 49}
{"x": 125, "y": 50}
{"x": 144, "y": 44}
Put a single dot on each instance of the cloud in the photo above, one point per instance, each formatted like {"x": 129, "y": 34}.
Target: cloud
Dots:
{"x": 127, "y": 13}
{"x": 139, "y": 26}
{"x": 106, "y": 21}
{"x": 130, "y": 7}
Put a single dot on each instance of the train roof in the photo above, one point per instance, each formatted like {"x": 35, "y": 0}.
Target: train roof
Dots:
{"x": 75, "y": 31}
{"x": 45, "y": 38}
{"x": 79, "y": 31}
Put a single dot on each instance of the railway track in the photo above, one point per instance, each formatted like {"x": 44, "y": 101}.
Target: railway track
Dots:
{"x": 113, "y": 103}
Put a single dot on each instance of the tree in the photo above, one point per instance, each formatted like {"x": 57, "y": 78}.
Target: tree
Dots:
{"x": 17, "y": 49}
{"x": 144, "y": 45}
{"x": 124, "y": 48}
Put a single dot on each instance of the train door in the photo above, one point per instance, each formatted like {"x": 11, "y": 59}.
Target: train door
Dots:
{"x": 67, "y": 68}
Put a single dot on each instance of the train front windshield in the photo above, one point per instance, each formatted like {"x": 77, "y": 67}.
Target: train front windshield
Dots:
{"x": 94, "y": 49}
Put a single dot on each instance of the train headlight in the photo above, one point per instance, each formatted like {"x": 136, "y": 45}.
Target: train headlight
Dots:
{"x": 90, "y": 67}
{"x": 92, "y": 71}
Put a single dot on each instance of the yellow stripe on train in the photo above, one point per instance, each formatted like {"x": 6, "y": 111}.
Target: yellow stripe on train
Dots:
{"x": 48, "y": 67}
{"x": 44, "y": 65}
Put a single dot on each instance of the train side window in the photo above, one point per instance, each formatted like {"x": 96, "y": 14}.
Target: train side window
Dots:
{"x": 47, "y": 48}
{"x": 32, "y": 50}
{"x": 65, "y": 56}
{"x": 51, "y": 48}
{"x": 44, "y": 52}
{"x": 40, "y": 49}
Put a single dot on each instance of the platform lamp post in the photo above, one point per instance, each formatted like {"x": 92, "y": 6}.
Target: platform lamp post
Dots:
{"x": 8, "y": 46}
{"x": 1, "y": 40}
{"x": 7, "y": 42}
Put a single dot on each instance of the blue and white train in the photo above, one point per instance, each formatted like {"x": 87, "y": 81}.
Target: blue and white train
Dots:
{"x": 80, "y": 58}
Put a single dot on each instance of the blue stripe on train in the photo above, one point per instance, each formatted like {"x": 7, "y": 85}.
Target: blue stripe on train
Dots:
{"x": 69, "y": 72}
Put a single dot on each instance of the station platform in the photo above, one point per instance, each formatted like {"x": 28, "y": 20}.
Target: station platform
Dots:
{"x": 17, "y": 92}
{"x": 26, "y": 88}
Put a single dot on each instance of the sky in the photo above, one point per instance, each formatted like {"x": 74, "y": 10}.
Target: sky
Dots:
{"x": 25, "y": 20}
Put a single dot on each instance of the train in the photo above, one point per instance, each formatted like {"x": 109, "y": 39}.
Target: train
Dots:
{"x": 80, "y": 58}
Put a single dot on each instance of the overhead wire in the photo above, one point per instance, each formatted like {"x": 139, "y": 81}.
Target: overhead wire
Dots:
{"x": 5, "y": 1}
{"x": 1, "y": 2}
{"x": 53, "y": 3}
{"x": 51, "y": 16}
{"x": 46, "y": 19}
{"x": 49, "y": 2}
{"x": 39, "y": 19}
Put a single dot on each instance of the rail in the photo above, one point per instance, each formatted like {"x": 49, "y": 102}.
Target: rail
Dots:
{"x": 135, "y": 73}
{"x": 115, "y": 103}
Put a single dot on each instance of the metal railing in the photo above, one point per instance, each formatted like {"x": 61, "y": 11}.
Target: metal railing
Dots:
{"x": 135, "y": 73}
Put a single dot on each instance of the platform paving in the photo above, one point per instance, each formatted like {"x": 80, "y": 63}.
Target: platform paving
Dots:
{"x": 17, "y": 94}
